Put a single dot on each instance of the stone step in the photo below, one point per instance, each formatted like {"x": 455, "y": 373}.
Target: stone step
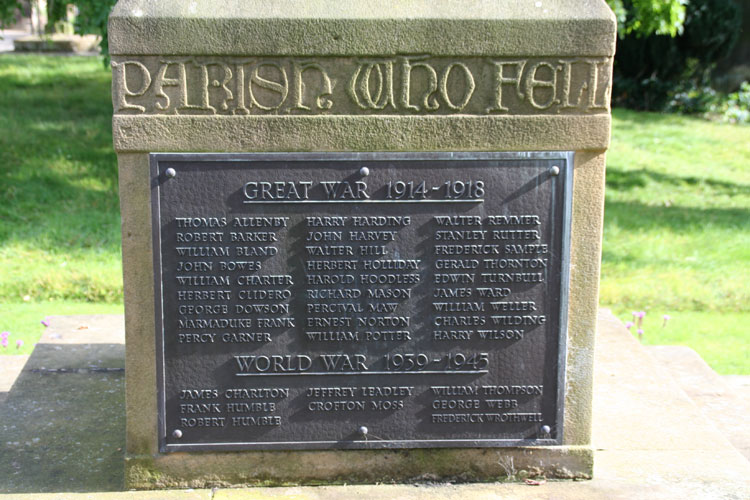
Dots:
{"x": 740, "y": 384}
{"x": 725, "y": 404}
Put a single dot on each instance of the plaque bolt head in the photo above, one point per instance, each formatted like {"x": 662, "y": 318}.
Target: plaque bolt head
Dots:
{"x": 170, "y": 172}
{"x": 546, "y": 429}
{"x": 177, "y": 433}
{"x": 555, "y": 170}
{"x": 364, "y": 171}
{"x": 363, "y": 430}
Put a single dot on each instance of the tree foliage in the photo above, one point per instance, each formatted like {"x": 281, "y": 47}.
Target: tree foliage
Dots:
{"x": 649, "y": 17}
{"x": 650, "y": 69}
{"x": 92, "y": 16}
{"x": 92, "y": 19}
{"x": 8, "y": 10}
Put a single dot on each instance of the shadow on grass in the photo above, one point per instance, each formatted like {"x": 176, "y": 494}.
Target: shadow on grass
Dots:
{"x": 628, "y": 119}
{"x": 58, "y": 172}
{"x": 636, "y": 216}
{"x": 623, "y": 180}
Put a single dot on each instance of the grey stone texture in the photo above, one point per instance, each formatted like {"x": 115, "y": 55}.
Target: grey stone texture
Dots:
{"x": 364, "y": 27}
{"x": 61, "y": 426}
{"x": 325, "y": 75}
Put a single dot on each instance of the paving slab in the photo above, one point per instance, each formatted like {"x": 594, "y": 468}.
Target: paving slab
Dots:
{"x": 81, "y": 343}
{"x": 725, "y": 406}
{"x": 10, "y": 367}
{"x": 551, "y": 490}
{"x": 63, "y": 432}
{"x": 62, "y": 426}
{"x": 740, "y": 384}
{"x": 83, "y": 329}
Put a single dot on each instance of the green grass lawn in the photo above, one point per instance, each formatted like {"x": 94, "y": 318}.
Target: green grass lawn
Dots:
{"x": 59, "y": 216}
{"x": 676, "y": 238}
{"x": 677, "y": 233}
{"x": 59, "y": 220}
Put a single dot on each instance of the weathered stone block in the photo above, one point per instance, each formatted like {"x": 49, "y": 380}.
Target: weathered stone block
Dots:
{"x": 323, "y": 75}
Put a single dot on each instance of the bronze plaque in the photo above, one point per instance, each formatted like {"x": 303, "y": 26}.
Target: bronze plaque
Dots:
{"x": 360, "y": 300}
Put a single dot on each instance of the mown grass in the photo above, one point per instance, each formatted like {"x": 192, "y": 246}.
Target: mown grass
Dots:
{"x": 59, "y": 219}
{"x": 677, "y": 232}
{"x": 59, "y": 216}
{"x": 676, "y": 238}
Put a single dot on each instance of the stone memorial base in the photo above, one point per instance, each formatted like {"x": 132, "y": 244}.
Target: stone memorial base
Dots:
{"x": 275, "y": 468}
{"x": 444, "y": 83}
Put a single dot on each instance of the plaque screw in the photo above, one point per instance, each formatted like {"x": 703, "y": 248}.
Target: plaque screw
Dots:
{"x": 170, "y": 172}
{"x": 363, "y": 430}
{"x": 546, "y": 429}
{"x": 177, "y": 433}
{"x": 555, "y": 170}
{"x": 364, "y": 171}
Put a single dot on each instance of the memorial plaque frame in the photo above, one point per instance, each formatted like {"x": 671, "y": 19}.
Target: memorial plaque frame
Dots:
{"x": 562, "y": 161}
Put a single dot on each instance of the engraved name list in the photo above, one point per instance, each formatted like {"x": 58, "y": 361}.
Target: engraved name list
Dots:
{"x": 364, "y": 300}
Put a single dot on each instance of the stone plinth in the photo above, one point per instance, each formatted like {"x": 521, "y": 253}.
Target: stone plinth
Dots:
{"x": 327, "y": 76}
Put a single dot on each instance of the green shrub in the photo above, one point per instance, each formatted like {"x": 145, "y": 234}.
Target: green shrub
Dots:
{"x": 92, "y": 19}
{"x": 8, "y": 10}
{"x": 694, "y": 100}
{"x": 647, "y": 17}
{"x": 730, "y": 108}
{"x": 736, "y": 107}
{"x": 650, "y": 70}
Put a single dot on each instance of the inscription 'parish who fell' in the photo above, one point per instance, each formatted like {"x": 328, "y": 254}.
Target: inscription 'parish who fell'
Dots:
{"x": 387, "y": 85}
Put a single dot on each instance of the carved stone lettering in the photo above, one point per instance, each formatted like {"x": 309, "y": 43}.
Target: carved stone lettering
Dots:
{"x": 271, "y": 77}
{"x": 428, "y": 100}
{"x": 371, "y": 86}
{"x": 322, "y": 99}
{"x": 408, "y": 85}
{"x": 501, "y": 79}
{"x": 121, "y": 75}
{"x": 533, "y": 82}
{"x": 468, "y": 88}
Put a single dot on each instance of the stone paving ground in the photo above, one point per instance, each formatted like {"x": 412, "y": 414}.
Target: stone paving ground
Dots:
{"x": 722, "y": 401}
{"x": 740, "y": 384}
{"x": 62, "y": 431}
